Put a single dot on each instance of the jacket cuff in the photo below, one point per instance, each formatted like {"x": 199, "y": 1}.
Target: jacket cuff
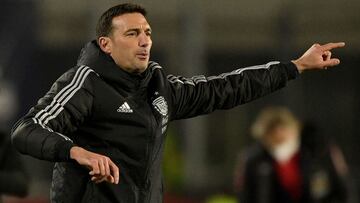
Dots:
{"x": 292, "y": 70}
{"x": 64, "y": 150}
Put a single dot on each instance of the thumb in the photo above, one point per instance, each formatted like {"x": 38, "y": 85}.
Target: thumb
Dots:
{"x": 331, "y": 62}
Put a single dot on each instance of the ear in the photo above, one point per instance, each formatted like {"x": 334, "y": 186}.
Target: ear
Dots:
{"x": 105, "y": 44}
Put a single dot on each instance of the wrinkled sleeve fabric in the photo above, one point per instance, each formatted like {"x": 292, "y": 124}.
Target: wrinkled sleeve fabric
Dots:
{"x": 200, "y": 95}
{"x": 42, "y": 132}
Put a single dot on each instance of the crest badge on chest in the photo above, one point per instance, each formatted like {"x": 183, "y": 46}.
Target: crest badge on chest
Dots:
{"x": 160, "y": 105}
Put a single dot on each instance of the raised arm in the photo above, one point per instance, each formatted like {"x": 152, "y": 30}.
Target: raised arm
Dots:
{"x": 201, "y": 95}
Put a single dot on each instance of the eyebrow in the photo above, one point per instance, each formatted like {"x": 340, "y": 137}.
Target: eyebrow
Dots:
{"x": 138, "y": 29}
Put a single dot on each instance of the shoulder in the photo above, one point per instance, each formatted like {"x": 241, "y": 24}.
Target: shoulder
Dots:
{"x": 156, "y": 70}
{"x": 77, "y": 73}
{"x": 154, "y": 65}
{"x": 75, "y": 78}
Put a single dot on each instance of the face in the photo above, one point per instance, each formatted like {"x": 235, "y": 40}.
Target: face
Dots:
{"x": 280, "y": 135}
{"x": 129, "y": 43}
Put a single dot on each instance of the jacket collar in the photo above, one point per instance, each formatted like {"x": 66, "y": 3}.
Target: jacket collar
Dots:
{"x": 91, "y": 55}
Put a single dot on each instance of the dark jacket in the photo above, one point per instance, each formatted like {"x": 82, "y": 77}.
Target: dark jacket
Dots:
{"x": 102, "y": 108}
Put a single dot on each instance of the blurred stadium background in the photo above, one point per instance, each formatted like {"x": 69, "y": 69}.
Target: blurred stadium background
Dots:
{"x": 41, "y": 39}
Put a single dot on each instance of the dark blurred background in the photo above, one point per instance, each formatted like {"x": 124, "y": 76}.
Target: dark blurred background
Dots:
{"x": 39, "y": 40}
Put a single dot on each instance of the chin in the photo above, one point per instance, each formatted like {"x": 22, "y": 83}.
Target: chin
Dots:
{"x": 143, "y": 65}
{"x": 140, "y": 69}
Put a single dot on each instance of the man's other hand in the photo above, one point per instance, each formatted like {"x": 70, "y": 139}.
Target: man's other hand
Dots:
{"x": 318, "y": 57}
{"x": 101, "y": 167}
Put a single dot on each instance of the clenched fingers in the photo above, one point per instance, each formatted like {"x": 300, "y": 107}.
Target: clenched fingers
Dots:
{"x": 328, "y": 61}
{"x": 94, "y": 167}
{"x": 105, "y": 170}
{"x": 100, "y": 178}
{"x": 327, "y": 55}
{"x": 107, "y": 167}
{"x": 101, "y": 167}
{"x": 331, "y": 62}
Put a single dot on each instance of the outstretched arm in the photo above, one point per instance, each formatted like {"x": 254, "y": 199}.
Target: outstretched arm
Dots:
{"x": 318, "y": 57}
{"x": 202, "y": 95}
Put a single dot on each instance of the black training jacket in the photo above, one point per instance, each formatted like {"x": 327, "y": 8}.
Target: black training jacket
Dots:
{"x": 102, "y": 108}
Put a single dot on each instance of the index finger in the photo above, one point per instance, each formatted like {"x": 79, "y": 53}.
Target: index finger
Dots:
{"x": 329, "y": 46}
{"x": 115, "y": 171}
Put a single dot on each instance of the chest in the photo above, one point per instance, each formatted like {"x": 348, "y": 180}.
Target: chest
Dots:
{"x": 139, "y": 113}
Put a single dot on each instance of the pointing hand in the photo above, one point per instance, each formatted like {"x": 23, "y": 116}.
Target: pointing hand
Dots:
{"x": 318, "y": 57}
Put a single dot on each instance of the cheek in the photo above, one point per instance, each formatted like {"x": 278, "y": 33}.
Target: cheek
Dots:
{"x": 123, "y": 52}
{"x": 122, "y": 46}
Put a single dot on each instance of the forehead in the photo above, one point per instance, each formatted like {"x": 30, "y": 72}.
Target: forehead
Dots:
{"x": 129, "y": 21}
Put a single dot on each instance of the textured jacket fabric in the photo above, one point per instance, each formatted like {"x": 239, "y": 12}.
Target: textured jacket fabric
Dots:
{"x": 100, "y": 107}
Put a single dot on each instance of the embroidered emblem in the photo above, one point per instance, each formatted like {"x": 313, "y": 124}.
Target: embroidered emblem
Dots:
{"x": 161, "y": 105}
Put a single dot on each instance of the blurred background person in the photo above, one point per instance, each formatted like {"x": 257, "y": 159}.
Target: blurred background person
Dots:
{"x": 289, "y": 163}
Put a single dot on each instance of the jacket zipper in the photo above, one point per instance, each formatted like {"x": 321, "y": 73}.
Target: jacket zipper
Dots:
{"x": 150, "y": 149}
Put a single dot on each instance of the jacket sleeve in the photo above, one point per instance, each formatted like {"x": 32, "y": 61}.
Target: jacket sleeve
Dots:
{"x": 42, "y": 132}
{"x": 202, "y": 95}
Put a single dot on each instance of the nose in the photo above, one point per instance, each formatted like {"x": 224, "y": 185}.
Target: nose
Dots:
{"x": 144, "y": 40}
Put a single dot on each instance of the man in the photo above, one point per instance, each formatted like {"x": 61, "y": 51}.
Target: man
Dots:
{"x": 283, "y": 167}
{"x": 104, "y": 121}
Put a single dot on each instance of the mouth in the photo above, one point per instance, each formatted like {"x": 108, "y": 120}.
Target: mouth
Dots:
{"x": 143, "y": 56}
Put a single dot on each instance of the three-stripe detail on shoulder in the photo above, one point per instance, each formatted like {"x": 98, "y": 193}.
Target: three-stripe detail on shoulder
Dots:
{"x": 62, "y": 97}
{"x": 153, "y": 65}
{"x": 240, "y": 70}
{"x": 200, "y": 78}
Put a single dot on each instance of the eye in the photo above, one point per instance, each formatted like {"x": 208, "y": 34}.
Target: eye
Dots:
{"x": 131, "y": 34}
{"x": 148, "y": 33}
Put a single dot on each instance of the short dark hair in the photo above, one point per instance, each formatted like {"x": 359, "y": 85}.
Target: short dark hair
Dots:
{"x": 104, "y": 25}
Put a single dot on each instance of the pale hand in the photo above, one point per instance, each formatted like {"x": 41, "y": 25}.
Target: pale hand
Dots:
{"x": 318, "y": 57}
{"x": 101, "y": 167}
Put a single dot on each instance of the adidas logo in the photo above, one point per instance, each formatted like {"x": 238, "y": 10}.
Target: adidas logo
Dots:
{"x": 124, "y": 108}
